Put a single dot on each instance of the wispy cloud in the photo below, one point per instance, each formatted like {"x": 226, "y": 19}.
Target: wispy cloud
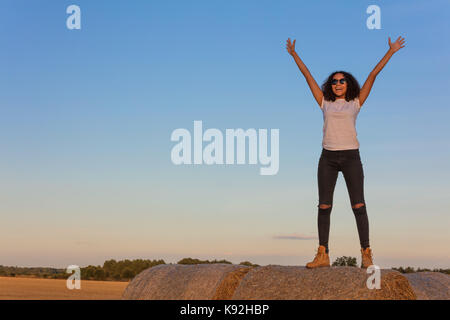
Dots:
{"x": 295, "y": 236}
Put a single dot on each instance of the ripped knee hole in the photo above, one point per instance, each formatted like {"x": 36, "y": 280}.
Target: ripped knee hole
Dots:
{"x": 358, "y": 205}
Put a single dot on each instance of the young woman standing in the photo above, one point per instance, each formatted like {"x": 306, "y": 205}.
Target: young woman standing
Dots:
{"x": 340, "y": 100}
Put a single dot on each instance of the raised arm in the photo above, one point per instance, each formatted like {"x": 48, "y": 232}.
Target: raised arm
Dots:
{"x": 393, "y": 48}
{"x": 315, "y": 89}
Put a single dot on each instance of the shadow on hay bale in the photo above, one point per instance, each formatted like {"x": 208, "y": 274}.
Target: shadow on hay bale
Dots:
{"x": 216, "y": 281}
{"x": 272, "y": 282}
{"x": 430, "y": 285}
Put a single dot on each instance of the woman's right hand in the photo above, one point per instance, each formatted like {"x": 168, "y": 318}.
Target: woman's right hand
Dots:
{"x": 290, "y": 46}
{"x": 315, "y": 89}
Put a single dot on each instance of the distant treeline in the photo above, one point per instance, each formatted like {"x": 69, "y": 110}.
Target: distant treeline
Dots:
{"x": 411, "y": 270}
{"x": 122, "y": 270}
{"x": 351, "y": 262}
{"x": 35, "y": 271}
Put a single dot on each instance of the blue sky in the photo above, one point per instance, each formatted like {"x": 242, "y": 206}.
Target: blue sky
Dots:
{"x": 86, "y": 118}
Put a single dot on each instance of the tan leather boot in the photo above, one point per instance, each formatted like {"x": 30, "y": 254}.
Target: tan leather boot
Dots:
{"x": 366, "y": 258}
{"x": 321, "y": 259}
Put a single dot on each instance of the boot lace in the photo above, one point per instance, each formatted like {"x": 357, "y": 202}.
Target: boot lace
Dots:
{"x": 368, "y": 254}
{"x": 318, "y": 255}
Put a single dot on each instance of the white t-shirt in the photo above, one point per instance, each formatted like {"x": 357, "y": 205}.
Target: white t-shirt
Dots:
{"x": 339, "y": 120}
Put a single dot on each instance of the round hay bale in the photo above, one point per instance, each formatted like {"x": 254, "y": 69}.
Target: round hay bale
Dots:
{"x": 430, "y": 285}
{"x": 215, "y": 281}
{"x": 275, "y": 282}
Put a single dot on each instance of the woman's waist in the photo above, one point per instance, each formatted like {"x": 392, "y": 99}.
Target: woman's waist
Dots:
{"x": 340, "y": 151}
{"x": 338, "y": 155}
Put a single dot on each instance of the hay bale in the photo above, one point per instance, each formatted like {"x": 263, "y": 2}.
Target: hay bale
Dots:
{"x": 216, "y": 281}
{"x": 275, "y": 282}
{"x": 430, "y": 285}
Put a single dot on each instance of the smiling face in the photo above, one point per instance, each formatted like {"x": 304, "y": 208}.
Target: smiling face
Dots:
{"x": 339, "y": 89}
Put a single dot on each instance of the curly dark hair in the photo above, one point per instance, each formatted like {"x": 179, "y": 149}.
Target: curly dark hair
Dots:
{"x": 353, "y": 87}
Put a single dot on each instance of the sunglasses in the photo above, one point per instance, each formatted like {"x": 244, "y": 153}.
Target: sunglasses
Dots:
{"x": 341, "y": 81}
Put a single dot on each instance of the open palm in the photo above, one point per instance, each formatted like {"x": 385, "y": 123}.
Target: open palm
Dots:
{"x": 290, "y": 46}
{"x": 397, "y": 45}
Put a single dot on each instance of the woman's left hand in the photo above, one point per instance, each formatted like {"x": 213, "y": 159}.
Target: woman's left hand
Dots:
{"x": 397, "y": 45}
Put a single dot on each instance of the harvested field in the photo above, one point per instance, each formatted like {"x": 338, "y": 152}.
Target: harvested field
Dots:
{"x": 17, "y": 288}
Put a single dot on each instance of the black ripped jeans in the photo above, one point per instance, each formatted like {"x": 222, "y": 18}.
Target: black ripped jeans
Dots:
{"x": 349, "y": 163}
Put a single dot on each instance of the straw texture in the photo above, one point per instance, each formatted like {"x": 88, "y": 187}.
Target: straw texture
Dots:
{"x": 272, "y": 282}
{"x": 430, "y": 285}
{"x": 186, "y": 282}
{"x": 275, "y": 282}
